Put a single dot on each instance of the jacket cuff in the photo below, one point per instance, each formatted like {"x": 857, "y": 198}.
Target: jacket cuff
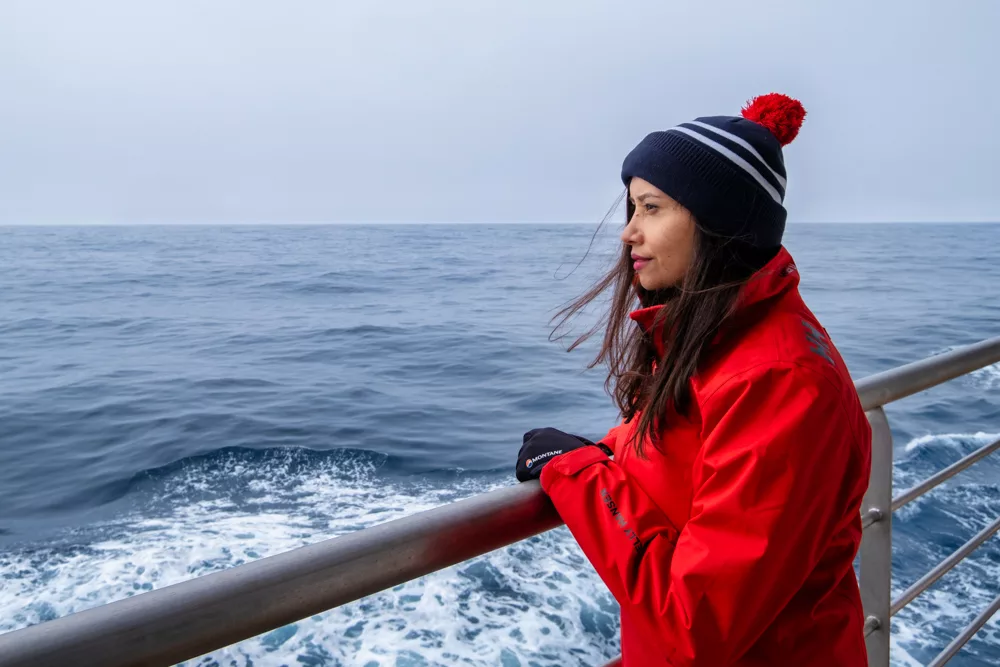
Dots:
{"x": 572, "y": 462}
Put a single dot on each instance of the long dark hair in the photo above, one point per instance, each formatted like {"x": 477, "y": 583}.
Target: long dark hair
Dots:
{"x": 640, "y": 383}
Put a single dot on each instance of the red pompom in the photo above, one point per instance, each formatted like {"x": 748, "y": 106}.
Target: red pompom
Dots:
{"x": 779, "y": 113}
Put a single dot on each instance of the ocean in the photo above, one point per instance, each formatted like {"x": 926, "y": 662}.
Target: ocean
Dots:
{"x": 176, "y": 400}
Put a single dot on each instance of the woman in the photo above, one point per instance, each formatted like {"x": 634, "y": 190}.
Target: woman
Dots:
{"x": 723, "y": 513}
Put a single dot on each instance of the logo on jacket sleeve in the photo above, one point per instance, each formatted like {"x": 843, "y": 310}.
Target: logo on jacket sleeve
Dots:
{"x": 622, "y": 522}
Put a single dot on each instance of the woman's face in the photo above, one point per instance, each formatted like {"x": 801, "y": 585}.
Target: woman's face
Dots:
{"x": 661, "y": 235}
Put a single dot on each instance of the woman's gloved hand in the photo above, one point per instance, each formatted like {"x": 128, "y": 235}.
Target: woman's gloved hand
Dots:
{"x": 541, "y": 445}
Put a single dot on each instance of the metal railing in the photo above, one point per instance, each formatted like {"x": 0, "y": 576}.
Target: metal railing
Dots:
{"x": 191, "y": 618}
{"x": 879, "y": 504}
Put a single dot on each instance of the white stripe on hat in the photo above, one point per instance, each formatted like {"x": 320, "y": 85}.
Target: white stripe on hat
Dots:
{"x": 735, "y": 159}
{"x": 744, "y": 144}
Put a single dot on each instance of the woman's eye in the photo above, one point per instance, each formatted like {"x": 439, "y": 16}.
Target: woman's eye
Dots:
{"x": 651, "y": 207}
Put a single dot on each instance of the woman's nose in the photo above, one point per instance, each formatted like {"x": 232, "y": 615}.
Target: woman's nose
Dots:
{"x": 629, "y": 233}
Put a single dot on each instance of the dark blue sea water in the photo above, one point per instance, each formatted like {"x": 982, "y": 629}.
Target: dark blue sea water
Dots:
{"x": 177, "y": 400}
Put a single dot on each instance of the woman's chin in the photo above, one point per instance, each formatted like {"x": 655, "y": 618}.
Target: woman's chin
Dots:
{"x": 650, "y": 284}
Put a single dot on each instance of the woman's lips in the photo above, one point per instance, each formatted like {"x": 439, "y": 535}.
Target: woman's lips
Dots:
{"x": 638, "y": 261}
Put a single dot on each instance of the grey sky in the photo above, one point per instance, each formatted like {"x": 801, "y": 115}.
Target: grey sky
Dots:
{"x": 518, "y": 110}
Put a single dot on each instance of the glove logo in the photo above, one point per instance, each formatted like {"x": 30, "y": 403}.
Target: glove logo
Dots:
{"x": 531, "y": 462}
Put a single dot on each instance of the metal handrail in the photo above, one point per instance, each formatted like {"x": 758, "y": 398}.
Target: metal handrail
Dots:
{"x": 188, "y": 619}
{"x": 182, "y": 621}
{"x": 892, "y": 385}
{"x": 935, "y": 480}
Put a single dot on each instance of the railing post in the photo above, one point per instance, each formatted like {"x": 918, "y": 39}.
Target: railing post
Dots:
{"x": 876, "y": 544}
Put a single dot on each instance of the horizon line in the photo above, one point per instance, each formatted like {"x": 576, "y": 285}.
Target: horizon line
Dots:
{"x": 387, "y": 223}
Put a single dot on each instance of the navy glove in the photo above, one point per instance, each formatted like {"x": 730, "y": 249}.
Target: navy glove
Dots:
{"x": 541, "y": 445}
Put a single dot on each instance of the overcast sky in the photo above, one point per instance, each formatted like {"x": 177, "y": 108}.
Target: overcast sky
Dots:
{"x": 466, "y": 110}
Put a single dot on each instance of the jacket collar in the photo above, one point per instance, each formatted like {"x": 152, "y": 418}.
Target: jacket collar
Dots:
{"x": 776, "y": 277}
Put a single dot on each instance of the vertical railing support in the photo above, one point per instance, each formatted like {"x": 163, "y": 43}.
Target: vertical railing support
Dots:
{"x": 876, "y": 545}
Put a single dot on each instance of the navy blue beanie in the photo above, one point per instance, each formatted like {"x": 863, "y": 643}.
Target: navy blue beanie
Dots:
{"x": 727, "y": 170}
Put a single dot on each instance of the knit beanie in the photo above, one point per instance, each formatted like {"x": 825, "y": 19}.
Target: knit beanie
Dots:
{"x": 727, "y": 170}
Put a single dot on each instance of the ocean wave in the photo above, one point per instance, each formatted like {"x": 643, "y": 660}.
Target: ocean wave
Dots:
{"x": 536, "y": 602}
{"x": 329, "y": 284}
{"x": 358, "y": 330}
{"x": 987, "y": 378}
{"x": 926, "y": 455}
{"x": 960, "y": 441}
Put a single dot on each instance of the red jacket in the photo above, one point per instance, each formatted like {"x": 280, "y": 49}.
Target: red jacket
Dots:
{"x": 734, "y": 545}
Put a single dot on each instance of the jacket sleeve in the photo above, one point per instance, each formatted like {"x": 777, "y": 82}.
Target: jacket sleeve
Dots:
{"x": 768, "y": 494}
{"x": 615, "y": 436}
